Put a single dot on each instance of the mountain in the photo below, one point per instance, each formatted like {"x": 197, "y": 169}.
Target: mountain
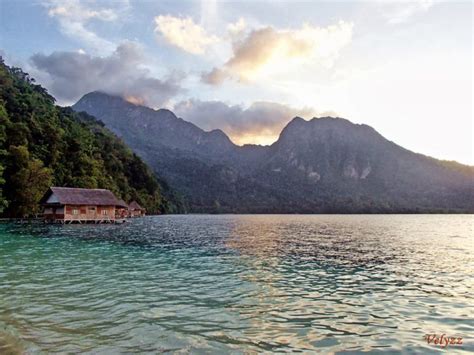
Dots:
{"x": 325, "y": 165}
{"x": 42, "y": 144}
{"x": 139, "y": 125}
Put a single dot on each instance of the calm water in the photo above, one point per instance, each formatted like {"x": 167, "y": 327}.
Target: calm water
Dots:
{"x": 241, "y": 284}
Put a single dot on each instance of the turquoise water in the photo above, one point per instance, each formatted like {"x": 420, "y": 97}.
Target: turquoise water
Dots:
{"x": 240, "y": 284}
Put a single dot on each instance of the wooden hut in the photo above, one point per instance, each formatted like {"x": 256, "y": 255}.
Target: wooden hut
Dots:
{"x": 121, "y": 210}
{"x": 75, "y": 205}
{"x": 135, "y": 210}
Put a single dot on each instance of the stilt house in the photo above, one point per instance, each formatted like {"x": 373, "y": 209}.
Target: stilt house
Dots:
{"x": 75, "y": 205}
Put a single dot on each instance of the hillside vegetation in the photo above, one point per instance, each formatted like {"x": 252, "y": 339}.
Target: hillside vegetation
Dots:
{"x": 323, "y": 165}
{"x": 42, "y": 144}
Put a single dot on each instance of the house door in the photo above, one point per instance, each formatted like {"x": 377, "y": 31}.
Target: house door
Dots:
{"x": 91, "y": 212}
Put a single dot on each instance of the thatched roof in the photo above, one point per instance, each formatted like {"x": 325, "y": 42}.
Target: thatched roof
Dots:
{"x": 122, "y": 204}
{"x": 135, "y": 206}
{"x": 76, "y": 196}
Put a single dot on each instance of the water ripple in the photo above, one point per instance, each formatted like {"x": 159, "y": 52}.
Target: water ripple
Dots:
{"x": 241, "y": 284}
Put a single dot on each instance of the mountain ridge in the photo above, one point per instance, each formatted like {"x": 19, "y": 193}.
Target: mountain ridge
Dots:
{"x": 320, "y": 165}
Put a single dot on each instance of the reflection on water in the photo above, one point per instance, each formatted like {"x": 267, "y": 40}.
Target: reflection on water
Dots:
{"x": 238, "y": 283}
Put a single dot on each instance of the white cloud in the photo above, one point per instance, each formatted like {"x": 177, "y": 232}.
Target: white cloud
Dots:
{"x": 78, "y": 31}
{"x": 402, "y": 12}
{"x": 238, "y": 28}
{"x": 266, "y": 51}
{"x": 184, "y": 33}
{"x": 73, "y": 17}
{"x": 78, "y": 12}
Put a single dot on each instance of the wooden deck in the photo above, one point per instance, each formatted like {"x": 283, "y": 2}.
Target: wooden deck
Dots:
{"x": 86, "y": 221}
{"x": 61, "y": 221}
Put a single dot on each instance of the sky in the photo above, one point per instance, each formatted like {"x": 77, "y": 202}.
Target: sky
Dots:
{"x": 249, "y": 67}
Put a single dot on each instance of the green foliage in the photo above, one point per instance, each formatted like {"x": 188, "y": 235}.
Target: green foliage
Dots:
{"x": 3, "y": 123}
{"x": 28, "y": 181}
{"x": 42, "y": 144}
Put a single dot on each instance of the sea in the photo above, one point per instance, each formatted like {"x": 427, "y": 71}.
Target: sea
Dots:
{"x": 240, "y": 284}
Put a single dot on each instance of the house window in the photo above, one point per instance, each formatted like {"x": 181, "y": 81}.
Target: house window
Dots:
{"x": 104, "y": 212}
{"x": 91, "y": 209}
{"x": 75, "y": 211}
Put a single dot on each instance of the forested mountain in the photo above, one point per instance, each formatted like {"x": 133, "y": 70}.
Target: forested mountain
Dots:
{"x": 42, "y": 144}
{"x": 325, "y": 165}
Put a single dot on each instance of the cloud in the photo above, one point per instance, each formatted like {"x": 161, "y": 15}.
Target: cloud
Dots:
{"x": 215, "y": 77}
{"x": 260, "y": 123}
{"x": 268, "y": 50}
{"x": 237, "y": 29}
{"x": 402, "y": 12}
{"x": 73, "y": 17}
{"x": 78, "y": 11}
{"x": 69, "y": 75}
{"x": 184, "y": 33}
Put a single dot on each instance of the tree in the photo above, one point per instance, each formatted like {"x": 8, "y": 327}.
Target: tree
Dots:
{"x": 3, "y": 154}
{"x": 3, "y": 200}
{"x": 43, "y": 144}
{"x": 29, "y": 183}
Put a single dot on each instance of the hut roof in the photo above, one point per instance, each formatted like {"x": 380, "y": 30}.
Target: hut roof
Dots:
{"x": 122, "y": 203}
{"x": 77, "y": 196}
{"x": 135, "y": 206}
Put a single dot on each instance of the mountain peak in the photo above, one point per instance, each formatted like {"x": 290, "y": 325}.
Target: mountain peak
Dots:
{"x": 299, "y": 121}
{"x": 99, "y": 95}
{"x": 145, "y": 126}
{"x": 325, "y": 164}
{"x": 296, "y": 120}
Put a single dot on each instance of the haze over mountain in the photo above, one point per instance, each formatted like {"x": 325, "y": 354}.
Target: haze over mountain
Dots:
{"x": 321, "y": 165}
